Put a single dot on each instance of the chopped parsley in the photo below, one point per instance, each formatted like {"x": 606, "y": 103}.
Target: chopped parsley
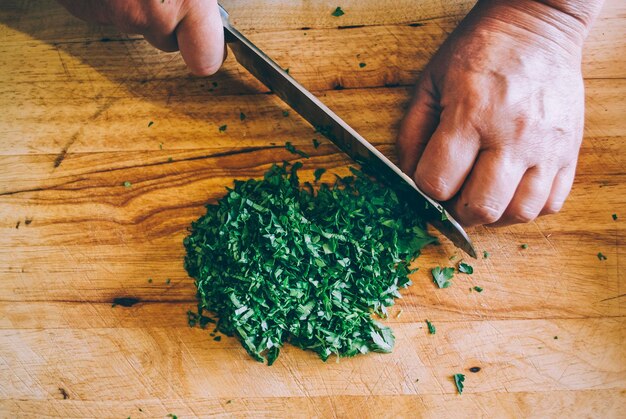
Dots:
{"x": 442, "y": 276}
{"x": 278, "y": 263}
{"x": 431, "y": 328}
{"x": 223, "y": 128}
{"x": 316, "y": 143}
{"x": 361, "y": 65}
{"x": 127, "y": 184}
{"x": 294, "y": 150}
{"x": 149, "y": 280}
{"x": 150, "y": 124}
{"x": 601, "y": 256}
{"x": 465, "y": 268}
{"x": 285, "y": 113}
{"x": 242, "y": 116}
{"x": 478, "y": 289}
{"x": 168, "y": 281}
{"x": 524, "y": 246}
{"x": 318, "y": 173}
{"x": 614, "y": 217}
{"x": 485, "y": 254}
{"x": 338, "y": 12}
{"x": 458, "y": 380}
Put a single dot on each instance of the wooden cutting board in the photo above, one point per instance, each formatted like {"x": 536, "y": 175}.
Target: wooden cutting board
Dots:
{"x": 84, "y": 109}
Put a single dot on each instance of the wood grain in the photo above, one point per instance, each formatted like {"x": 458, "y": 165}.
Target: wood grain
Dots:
{"x": 76, "y": 100}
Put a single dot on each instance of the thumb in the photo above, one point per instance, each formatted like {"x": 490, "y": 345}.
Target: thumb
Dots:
{"x": 200, "y": 38}
{"x": 418, "y": 125}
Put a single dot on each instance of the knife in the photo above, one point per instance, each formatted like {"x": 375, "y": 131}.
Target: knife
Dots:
{"x": 345, "y": 137}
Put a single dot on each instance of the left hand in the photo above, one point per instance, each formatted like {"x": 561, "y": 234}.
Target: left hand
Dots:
{"x": 497, "y": 119}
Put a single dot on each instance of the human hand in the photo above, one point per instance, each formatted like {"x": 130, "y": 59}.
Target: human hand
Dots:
{"x": 496, "y": 122}
{"x": 192, "y": 26}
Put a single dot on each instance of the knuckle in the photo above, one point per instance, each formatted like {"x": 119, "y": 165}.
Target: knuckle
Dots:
{"x": 485, "y": 212}
{"x": 524, "y": 214}
{"x": 435, "y": 187}
{"x": 553, "y": 207}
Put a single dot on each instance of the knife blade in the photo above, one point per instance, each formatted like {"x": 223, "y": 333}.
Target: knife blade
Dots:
{"x": 341, "y": 134}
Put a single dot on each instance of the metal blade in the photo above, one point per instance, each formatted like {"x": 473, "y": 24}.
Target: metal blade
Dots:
{"x": 345, "y": 137}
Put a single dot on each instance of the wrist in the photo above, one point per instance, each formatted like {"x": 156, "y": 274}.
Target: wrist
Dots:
{"x": 566, "y": 22}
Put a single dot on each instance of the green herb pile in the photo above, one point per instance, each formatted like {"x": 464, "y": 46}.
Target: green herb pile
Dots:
{"x": 277, "y": 262}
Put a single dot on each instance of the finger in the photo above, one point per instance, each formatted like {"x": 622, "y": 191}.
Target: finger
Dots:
{"x": 164, "y": 42}
{"x": 201, "y": 38}
{"x": 418, "y": 124}
{"x": 561, "y": 188}
{"x": 489, "y": 189}
{"x": 447, "y": 159}
{"x": 529, "y": 199}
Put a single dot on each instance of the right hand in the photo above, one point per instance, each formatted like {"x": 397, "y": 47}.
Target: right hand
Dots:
{"x": 192, "y": 26}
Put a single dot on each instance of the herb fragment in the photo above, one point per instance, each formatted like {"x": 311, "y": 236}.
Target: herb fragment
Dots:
{"x": 338, "y": 12}
{"x": 465, "y": 268}
{"x": 431, "y": 328}
{"x": 242, "y": 116}
{"x": 474, "y": 369}
{"x": 149, "y": 280}
{"x": 285, "y": 113}
{"x": 214, "y": 84}
{"x": 318, "y": 173}
{"x": 217, "y": 338}
{"x": 278, "y": 263}
{"x": 478, "y": 289}
{"x": 316, "y": 143}
{"x": 361, "y": 65}
{"x": 150, "y": 124}
{"x": 223, "y": 128}
{"x": 614, "y": 217}
{"x": 485, "y": 254}
{"x": 127, "y": 184}
{"x": 171, "y": 415}
{"x": 167, "y": 281}
{"x": 601, "y": 256}
{"x": 458, "y": 380}
{"x": 442, "y": 276}
{"x": 294, "y": 150}
{"x": 524, "y": 246}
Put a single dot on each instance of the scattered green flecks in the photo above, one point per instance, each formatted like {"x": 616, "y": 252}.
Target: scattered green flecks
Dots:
{"x": 442, "y": 276}
{"x": 223, "y": 128}
{"x": 217, "y": 338}
{"x": 444, "y": 215}
{"x": 524, "y": 246}
{"x": 127, "y": 184}
{"x": 149, "y": 280}
{"x": 465, "y": 268}
{"x": 318, "y": 173}
{"x": 277, "y": 262}
{"x": 285, "y": 113}
{"x": 478, "y": 289}
{"x": 458, "y": 380}
{"x": 614, "y": 217}
{"x": 168, "y": 281}
{"x": 160, "y": 146}
{"x": 150, "y": 124}
{"x": 601, "y": 256}
{"x": 214, "y": 84}
{"x": 287, "y": 70}
{"x": 242, "y": 116}
{"x": 316, "y": 143}
{"x": 171, "y": 415}
{"x": 431, "y": 328}
{"x": 361, "y": 65}
{"x": 294, "y": 150}
{"x": 485, "y": 254}
{"x": 452, "y": 257}
{"x": 170, "y": 159}
{"x": 338, "y": 12}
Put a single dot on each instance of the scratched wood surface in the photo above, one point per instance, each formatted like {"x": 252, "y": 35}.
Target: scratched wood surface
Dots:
{"x": 75, "y": 103}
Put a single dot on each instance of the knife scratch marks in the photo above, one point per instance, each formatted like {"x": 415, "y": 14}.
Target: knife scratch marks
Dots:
{"x": 61, "y": 156}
